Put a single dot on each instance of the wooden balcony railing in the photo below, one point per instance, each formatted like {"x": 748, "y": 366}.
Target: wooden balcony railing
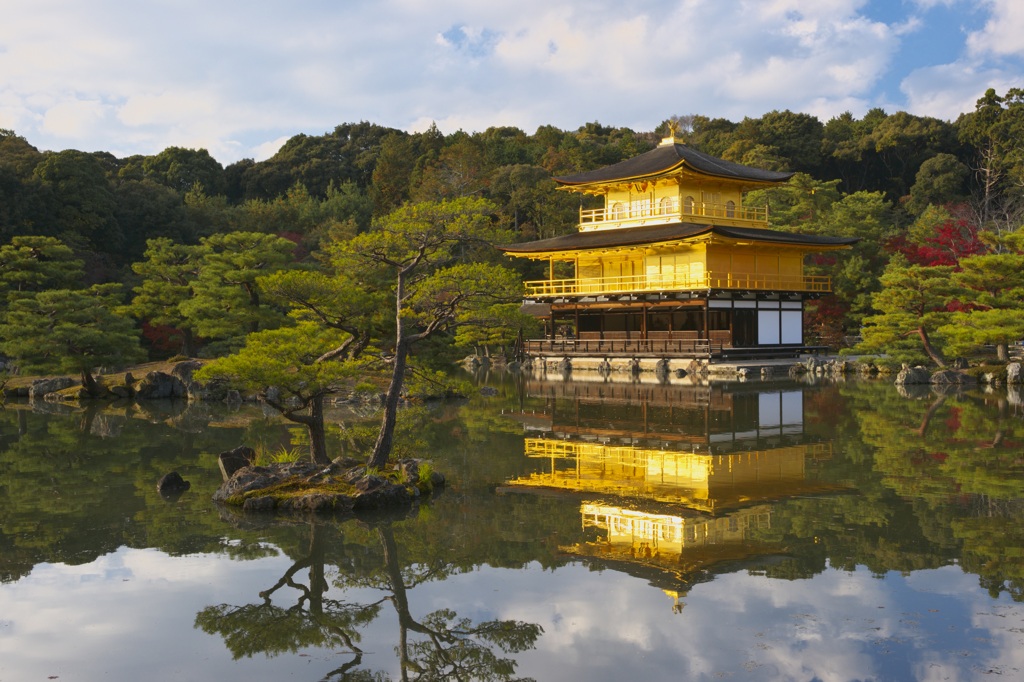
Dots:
{"x": 596, "y": 286}
{"x": 639, "y": 213}
{"x": 690, "y": 348}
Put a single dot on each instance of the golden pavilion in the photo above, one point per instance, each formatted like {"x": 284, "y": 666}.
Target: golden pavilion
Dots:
{"x": 673, "y": 264}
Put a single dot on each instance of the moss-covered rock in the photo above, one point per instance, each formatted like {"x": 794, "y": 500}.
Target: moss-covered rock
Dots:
{"x": 342, "y": 487}
{"x": 988, "y": 374}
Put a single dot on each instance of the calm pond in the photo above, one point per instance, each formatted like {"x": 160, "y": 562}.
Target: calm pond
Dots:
{"x": 590, "y": 531}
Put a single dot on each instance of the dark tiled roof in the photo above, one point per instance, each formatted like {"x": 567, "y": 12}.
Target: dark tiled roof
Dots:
{"x": 666, "y": 157}
{"x": 779, "y": 237}
{"x": 638, "y": 236}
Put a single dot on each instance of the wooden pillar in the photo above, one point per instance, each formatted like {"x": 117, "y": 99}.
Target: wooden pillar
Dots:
{"x": 732, "y": 324}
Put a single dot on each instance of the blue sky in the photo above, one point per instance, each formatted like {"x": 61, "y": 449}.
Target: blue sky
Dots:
{"x": 239, "y": 79}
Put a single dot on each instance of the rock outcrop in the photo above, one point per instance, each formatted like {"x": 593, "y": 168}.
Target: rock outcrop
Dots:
{"x": 160, "y": 385}
{"x": 172, "y": 484}
{"x": 41, "y": 387}
{"x": 913, "y": 375}
{"x": 951, "y": 377}
{"x": 1013, "y": 373}
{"x": 231, "y": 461}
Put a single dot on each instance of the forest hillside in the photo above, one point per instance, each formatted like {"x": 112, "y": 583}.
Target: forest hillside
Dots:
{"x": 183, "y": 246}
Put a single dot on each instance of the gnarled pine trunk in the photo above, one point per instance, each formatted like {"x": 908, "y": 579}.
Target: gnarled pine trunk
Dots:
{"x": 931, "y": 350}
{"x": 317, "y": 433}
{"x": 385, "y": 439}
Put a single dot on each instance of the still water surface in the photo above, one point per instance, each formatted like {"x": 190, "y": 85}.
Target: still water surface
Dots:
{"x": 589, "y": 531}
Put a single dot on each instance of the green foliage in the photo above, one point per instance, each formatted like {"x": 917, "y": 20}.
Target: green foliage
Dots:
{"x": 993, "y": 130}
{"x": 293, "y": 368}
{"x": 84, "y": 203}
{"x": 287, "y": 359}
{"x": 331, "y": 297}
{"x": 926, "y": 222}
{"x": 147, "y": 210}
{"x": 467, "y": 295}
{"x": 185, "y": 169}
{"x": 69, "y": 331}
{"x": 167, "y": 275}
{"x": 423, "y": 236}
{"x": 779, "y": 140}
{"x": 869, "y": 216}
{"x": 993, "y": 291}
{"x": 432, "y": 260}
{"x": 904, "y": 141}
{"x": 941, "y": 179}
{"x": 226, "y": 300}
{"x": 347, "y": 154}
{"x": 810, "y": 206}
{"x": 710, "y": 135}
{"x": 967, "y": 332}
{"x": 495, "y": 326}
{"x": 392, "y": 173}
{"x": 913, "y": 302}
{"x": 31, "y": 264}
{"x": 210, "y": 290}
{"x": 17, "y": 155}
{"x": 458, "y": 171}
{"x": 423, "y": 383}
{"x": 343, "y": 209}
{"x": 528, "y": 203}
{"x": 282, "y": 455}
{"x": 993, "y": 280}
{"x": 802, "y": 200}
{"x": 426, "y": 473}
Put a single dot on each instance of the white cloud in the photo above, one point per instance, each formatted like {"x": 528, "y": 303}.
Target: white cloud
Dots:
{"x": 909, "y": 26}
{"x": 125, "y": 615}
{"x": 167, "y": 108}
{"x": 135, "y": 78}
{"x": 74, "y": 118}
{"x": 133, "y": 614}
{"x": 264, "y": 151}
{"x": 1003, "y": 34}
{"x": 951, "y": 89}
{"x": 929, "y": 4}
{"x": 991, "y": 58}
{"x": 15, "y": 114}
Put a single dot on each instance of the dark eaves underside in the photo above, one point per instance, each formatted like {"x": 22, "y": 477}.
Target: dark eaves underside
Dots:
{"x": 654, "y": 234}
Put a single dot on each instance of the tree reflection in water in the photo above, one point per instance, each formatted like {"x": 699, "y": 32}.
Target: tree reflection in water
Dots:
{"x": 314, "y": 619}
{"x": 440, "y": 646}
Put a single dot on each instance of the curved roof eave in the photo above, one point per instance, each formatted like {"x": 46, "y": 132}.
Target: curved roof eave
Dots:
{"x": 658, "y": 234}
{"x": 667, "y": 158}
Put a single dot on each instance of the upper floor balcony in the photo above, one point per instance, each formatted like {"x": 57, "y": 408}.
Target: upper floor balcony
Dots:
{"x": 669, "y": 209}
{"x": 661, "y": 283}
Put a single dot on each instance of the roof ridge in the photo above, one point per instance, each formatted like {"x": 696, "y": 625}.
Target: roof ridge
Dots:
{"x": 667, "y": 157}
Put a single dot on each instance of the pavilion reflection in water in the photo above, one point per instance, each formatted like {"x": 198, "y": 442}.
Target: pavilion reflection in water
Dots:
{"x": 676, "y": 479}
